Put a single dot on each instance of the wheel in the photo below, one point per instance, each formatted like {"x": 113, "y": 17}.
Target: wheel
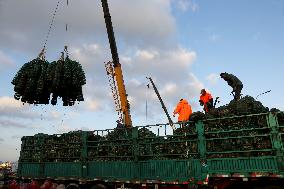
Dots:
{"x": 73, "y": 186}
{"x": 99, "y": 186}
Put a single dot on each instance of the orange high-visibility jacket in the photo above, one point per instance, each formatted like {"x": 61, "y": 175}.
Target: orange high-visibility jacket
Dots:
{"x": 184, "y": 110}
{"x": 205, "y": 98}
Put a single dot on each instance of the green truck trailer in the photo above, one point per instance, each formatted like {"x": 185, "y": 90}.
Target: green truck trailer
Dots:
{"x": 243, "y": 151}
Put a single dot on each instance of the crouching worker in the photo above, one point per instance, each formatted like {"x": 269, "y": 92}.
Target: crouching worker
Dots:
{"x": 206, "y": 100}
{"x": 183, "y": 109}
{"x": 235, "y": 83}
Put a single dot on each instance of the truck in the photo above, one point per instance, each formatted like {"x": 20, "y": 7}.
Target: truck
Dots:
{"x": 221, "y": 153}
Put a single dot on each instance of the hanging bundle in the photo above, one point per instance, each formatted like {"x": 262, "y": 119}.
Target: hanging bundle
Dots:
{"x": 30, "y": 83}
{"x": 37, "y": 80}
{"x": 67, "y": 78}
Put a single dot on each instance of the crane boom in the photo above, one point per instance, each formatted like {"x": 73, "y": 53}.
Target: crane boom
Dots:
{"x": 125, "y": 107}
{"x": 161, "y": 101}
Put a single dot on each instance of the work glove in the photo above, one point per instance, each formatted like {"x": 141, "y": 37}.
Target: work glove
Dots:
{"x": 201, "y": 102}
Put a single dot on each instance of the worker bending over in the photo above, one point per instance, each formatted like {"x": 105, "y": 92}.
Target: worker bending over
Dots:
{"x": 183, "y": 109}
{"x": 235, "y": 83}
{"x": 206, "y": 100}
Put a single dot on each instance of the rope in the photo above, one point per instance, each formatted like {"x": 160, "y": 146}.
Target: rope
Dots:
{"x": 50, "y": 27}
{"x": 148, "y": 86}
{"x": 66, "y": 25}
{"x": 263, "y": 93}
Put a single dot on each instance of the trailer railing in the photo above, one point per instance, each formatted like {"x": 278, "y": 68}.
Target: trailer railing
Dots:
{"x": 233, "y": 145}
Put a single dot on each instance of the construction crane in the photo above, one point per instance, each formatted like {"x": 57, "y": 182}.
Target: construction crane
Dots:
{"x": 114, "y": 72}
{"x": 162, "y": 102}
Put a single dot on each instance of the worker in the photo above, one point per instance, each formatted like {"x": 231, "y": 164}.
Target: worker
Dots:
{"x": 235, "y": 83}
{"x": 183, "y": 109}
{"x": 206, "y": 100}
{"x": 119, "y": 124}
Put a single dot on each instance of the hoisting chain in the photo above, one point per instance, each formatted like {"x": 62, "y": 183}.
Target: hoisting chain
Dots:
{"x": 42, "y": 53}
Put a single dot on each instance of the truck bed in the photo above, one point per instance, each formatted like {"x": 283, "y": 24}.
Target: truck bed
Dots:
{"x": 196, "y": 151}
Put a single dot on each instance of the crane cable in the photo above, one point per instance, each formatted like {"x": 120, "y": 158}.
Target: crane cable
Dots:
{"x": 42, "y": 53}
{"x": 263, "y": 93}
{"x": 146, "y": 106}
{"x": 66, "y": 25}
{"x": 66, "y": 30}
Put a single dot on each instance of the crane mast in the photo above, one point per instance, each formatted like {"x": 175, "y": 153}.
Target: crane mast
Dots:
{"x": 117, "y": 71}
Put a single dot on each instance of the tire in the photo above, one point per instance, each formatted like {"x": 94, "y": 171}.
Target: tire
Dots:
{"x": 73, "y": 186}
{"x": 99, "y": 186}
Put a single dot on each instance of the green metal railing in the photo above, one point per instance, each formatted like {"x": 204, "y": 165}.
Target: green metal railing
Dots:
{"x": 240, "y": 136}
{"x": 243, "y": 144}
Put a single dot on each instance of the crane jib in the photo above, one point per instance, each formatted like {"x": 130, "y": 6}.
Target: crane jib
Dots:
{"x": 124, "y": 104}
{"x": 110, "y": 33}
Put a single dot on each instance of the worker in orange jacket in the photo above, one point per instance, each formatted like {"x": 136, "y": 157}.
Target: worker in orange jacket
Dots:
{"x": 183, "y": 109}
{"x": 206, "y": 100}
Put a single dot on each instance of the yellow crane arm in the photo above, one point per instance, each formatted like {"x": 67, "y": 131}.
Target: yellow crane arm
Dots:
{"x": 125, "y": 107}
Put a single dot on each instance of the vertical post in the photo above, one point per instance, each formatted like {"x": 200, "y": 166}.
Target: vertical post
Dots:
{"x": 201, "y": 139}
{"x": 135, "y": 143}
{"x": 42, "y": 160}
{"x": 135, "y": 151}
{"x": 201, "y": 150}
{"x": 84, "y": 154}
{"x": 276, "y": 139}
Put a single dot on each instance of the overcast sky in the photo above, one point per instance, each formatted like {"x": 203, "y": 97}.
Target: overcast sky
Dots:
{"x": 182, "y": 44}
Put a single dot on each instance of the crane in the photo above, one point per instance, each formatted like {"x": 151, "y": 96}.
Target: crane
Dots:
{"x": 162, "y": 102}
{"x": 114, "y": 72}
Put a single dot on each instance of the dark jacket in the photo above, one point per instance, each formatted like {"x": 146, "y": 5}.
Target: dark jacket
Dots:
{"x": 232, "y": 80}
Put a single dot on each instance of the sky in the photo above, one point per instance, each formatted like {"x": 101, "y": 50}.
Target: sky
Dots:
{"x": 182, "y": 44}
